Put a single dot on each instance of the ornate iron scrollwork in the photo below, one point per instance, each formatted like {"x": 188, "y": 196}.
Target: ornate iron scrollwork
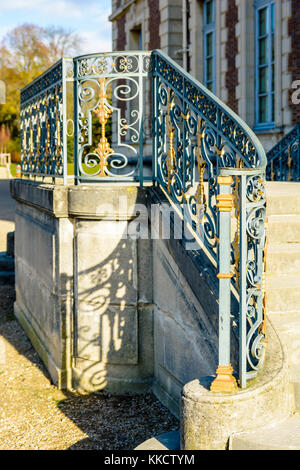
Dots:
{"x": 284, "y": 158}
{"x": 103, "y": 113}
{"x": 43, "y": 142}
{"x": 110, "y": 86}
{"x": 256, "y": 237}
{"x": 196, "y": 137}
{"x": 206, "y": 160}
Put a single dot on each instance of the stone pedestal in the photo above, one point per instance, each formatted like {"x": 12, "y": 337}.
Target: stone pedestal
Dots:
{"x": 209, "y": 419}
{"x": 106, "y": 306}
{"x": 82, "y": 293}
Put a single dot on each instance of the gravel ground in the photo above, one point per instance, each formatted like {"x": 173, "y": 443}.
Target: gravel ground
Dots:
{"x": 34, "y": 414}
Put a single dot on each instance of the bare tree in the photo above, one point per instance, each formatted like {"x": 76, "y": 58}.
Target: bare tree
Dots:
{"x": 26, "y": 52}
{"x": 61, "y": 43}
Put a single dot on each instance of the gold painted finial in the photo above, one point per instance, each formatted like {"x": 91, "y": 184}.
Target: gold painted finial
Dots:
{"x": 224, "y": 382}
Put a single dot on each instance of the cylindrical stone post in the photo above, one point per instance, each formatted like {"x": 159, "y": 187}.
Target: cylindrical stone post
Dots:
{"x": 224, "y": 382}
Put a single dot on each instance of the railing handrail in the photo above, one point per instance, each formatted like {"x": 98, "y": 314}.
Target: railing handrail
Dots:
{"x": 284, "y": 158}
{"x": 39, "y": 77}
{"x": 121, "y": 75}
{"x": 223, "y": 107}
{"x": 193, "y": 126}
{"x": 112, "y": 53}
{"x": 37, "y": 80}
{"x": 281, "y": 145}
{"x": 193, "y": 132}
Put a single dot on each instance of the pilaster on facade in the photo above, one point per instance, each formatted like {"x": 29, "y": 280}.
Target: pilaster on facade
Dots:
{"x": 291, "y": 10}
{"x": 221, "y": 60}
{"x": 282, "y": 75}
{"x": 196, "y": 38}
{"x": 245, "y": 60}
{"x": 171, "y": 28}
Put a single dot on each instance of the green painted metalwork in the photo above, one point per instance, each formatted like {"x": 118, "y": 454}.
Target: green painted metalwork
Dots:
{"x": 206, "y": 160}
{"x": 110, "y": 88}
{"x": 43, "y": 123}
{"x": 284, "y": 158}
{"x": 197, "y": 139}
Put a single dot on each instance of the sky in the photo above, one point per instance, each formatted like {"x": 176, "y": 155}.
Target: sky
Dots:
{"x": 88, "y": 18}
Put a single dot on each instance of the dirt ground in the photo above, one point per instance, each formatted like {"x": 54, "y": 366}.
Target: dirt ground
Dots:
{"x": 34, "y": 414}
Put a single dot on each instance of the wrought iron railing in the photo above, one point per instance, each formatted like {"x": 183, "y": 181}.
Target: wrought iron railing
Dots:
{"x": 198, "y": 138}
{"x": 284, "y": 158}
{"x": 111, "y": 88}
{"x": 44, "y": 123}
{"x": 204, "y": 158}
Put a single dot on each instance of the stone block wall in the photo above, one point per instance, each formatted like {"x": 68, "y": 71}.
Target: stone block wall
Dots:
{"x": 185, "y": 332}
{"x": 185, "y": 293}
{"x": 44, "y": 288}
{"x": 79, "y": 292}
{"x": 108, "y": 311}
{"x": 294, "y": 56}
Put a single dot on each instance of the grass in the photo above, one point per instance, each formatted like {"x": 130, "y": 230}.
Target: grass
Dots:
{"x": 70, "y": 169}
{"x": 13, "y": 169}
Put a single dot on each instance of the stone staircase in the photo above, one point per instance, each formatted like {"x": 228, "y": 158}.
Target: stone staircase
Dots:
{"x": 283, "y": 308}
{"x": 283, "y": 271}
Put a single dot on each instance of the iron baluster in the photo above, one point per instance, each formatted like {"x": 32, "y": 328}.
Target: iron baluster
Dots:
{"x": 204, "y": 158}
{"x": 284, "y": 158}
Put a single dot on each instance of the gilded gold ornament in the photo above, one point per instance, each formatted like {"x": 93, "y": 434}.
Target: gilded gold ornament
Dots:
{"x": 103, "y": 112}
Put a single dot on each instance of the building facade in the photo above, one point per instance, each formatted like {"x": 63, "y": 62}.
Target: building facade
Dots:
{"x": 245, "y": 51}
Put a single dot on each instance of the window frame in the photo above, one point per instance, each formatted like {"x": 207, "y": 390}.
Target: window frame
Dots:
{"x": 270, "y": 35}
{"x": 209, "y": 28}
{"x": 136, "y": 38}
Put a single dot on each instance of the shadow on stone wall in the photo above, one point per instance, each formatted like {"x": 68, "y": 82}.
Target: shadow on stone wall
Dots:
{"x": 110, "y": 326}
{"x": 106, "y": 307}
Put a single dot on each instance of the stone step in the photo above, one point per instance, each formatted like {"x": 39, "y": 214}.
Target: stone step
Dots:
{"x": 7, "y": 263}
{"x": 7, "y": 277}
{"x": 287, "y": 326}
{"x": 279, "y": 436}
{"x": 295, "y": 385}
{"x": 283, "y": 198}
{"x": 282, "y": 294}
{"x": 166, "y": 441}
{"x": 283, "y": 273}
{"x": 283, "y": 258}
{"x": 284, "y": 228}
